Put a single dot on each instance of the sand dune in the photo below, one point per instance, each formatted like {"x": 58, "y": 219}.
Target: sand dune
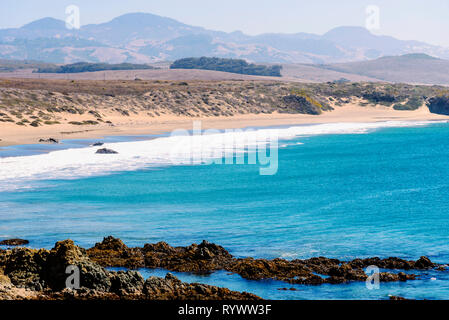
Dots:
{"x": 32, "y": 109}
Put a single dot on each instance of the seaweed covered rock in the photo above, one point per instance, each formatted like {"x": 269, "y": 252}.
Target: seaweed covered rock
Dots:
{"x": 24, "y": 271}
{"x": 204, "y": 257}
{"x": 41, "y": 274}
{"x": 112, "y": 252}
{"x": 14, "y": 242}
{"x": 171, "y": 288}
{"x": 66, "y": 254}
{"x": 388, "y": 263}
{"x": 126, "y": 282}
{"x": 424, "y": 263}
{"x": 319, "y": 265}
{"x": 278, "y": 269}
{"x": 344, "y": 272}
{"x": 24, "y": 267}
{"x": 209, "y": 251}
{"x": 394, "y": 277}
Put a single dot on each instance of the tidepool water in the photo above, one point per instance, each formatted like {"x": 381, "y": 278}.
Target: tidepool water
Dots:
{"x": 340, "y": 192}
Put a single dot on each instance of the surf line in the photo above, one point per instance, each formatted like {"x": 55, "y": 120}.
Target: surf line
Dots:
{"x": 231, "y": 146}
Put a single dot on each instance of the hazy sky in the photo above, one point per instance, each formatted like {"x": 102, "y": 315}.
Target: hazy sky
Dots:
{"x": 405, "y": 19}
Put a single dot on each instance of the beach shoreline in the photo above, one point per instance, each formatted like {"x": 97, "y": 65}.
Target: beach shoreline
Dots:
{"x": 140, "y": 124}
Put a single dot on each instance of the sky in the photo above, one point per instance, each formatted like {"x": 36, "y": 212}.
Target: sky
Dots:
{"x": 404, "y": 19}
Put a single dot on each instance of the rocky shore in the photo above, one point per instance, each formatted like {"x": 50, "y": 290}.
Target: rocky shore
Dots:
{"x": 42, "y": 274}
{"x": 207, "y": 257}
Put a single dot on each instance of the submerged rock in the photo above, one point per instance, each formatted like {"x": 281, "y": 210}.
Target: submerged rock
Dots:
{"x": 287, "y": 289}
{"x": 97, "y": 144}
{"x": 106, "y": 151}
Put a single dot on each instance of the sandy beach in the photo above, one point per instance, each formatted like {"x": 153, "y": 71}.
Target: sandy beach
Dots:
{"x": 142, "y": 124}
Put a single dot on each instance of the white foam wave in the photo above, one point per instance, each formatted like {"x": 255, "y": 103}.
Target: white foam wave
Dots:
{"x": 84, "y": 162}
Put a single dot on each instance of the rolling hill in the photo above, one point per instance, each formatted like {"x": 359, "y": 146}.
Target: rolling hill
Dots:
{"x": 147, "y": 38}
{"x": 409, "y": 68}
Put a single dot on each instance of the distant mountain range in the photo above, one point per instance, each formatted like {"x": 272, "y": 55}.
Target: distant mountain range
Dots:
{"x": 146, "y": 38}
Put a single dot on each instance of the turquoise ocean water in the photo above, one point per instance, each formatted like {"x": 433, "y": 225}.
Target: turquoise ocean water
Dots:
{"x": 381, "y": 193}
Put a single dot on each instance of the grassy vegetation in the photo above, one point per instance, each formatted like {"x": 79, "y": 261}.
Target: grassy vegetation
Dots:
{"x": 308, "y": 96}
{"x": 227, "y": 65}
{"x": 83, "y": 123}
{"x": 13, "y": 65}
{"x": 33, "y": 102}
{"x": 413, "y": 103}
{"x": 91, "y": 67}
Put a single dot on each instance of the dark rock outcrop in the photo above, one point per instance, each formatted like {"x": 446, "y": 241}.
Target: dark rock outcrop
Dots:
{"x": 398, "y": 298}
{"x": 394, "y": 277}
{"x": 24, "y": 266}
{"x": 208, "y": 257}
{"x": 204, "y": 257}
{"x": 388, "y": 263}
{"x": 344, "y": 272}
{"x": 112, "y": 252}
{"x": 42, "y": 274}
{"x": 14, "y": 242}
{"x": 439, "y": 105}
{"x": 49, "y": 140}
{"x": 126, "y": 282}
{"x": 278, "y": 269}
{"x": 423, "y": 263}
{"x": 65, "y": 254}
{"x": 106, "y": 151}
{"x": 171, "y": 288}
{"x": 97, "y": 144}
